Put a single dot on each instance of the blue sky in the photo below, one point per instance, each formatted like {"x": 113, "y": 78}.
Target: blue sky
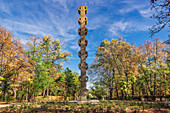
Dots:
{"x": 107, "y": 19}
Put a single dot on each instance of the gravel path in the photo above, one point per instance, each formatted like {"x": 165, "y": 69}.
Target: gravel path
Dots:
{"x": 148, "y": 102}
{"x": 6, "y": 105}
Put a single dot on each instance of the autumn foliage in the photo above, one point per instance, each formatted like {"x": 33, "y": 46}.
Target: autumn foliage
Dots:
{"x": 120, "y": 70}
{"x": 14, "y": 67}
{"x": 34, "y": 71}
{"x": 127, "y": 71}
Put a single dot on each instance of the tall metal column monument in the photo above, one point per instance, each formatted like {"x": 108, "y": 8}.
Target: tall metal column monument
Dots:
{"x": 83, "y": 66}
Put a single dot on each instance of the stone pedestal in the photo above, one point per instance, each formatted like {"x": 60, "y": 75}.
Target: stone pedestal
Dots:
{"x": 85, "y": 102}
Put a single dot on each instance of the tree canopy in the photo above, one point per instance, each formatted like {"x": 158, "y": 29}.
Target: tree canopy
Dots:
{"x": 126, "y": 70}
{"x": 161, "y": 14}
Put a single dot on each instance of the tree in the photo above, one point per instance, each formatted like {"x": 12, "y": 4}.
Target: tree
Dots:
{"x": 72, "y": 84}
{"x": 35, "y": 59}
{"x": 13, "y": 61}
{"x": 101, "y": 70}
{"x": 47, "y": 59}
{"x": 26, "y": 74}
{"x": 131, "y": 71}
{"x": 167, "y": 49}
{"x": 153, "y": 67}
{"x": 161, "y": 14}
{"x": 98, "y": 90}
{"x": 52, "y": 60}
{"x": 112, "y": 61}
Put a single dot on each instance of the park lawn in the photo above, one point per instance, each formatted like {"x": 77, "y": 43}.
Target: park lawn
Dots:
{"x": 102, "y": 107}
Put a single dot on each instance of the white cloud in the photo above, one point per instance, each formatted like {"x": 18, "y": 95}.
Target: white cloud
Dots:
{"x": 22, "y": 27}
{"x": 64, "y": 3}
{"x": 4, "y": 8}
{"x": 121, "y": 25}
{"x": 120, "y": 28}
{"x": 144, "y": 8}
{"x": 146, "y": 12}
{"x": 75, "y": 47}
{"x": 58, "y": 24}
{"x": 59, "y": 18}
{"x": 117, "y": 27}
{"x": 97, "y": 22}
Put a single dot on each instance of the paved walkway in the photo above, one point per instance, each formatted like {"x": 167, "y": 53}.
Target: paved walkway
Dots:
{"x": 7, "y": 105}
{"x": 148, "y": 102}
{"x": 163, "y": 102}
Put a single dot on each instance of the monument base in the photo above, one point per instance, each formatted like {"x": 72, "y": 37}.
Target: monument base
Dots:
{"x": 84, "y": 102}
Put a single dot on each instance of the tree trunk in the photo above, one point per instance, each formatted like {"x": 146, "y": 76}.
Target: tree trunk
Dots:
{"x": 122, "y": 94}
{"x": 154, "y": 85}
{"x": 4, "y": 90}
{"x": 151, "y": 86}
{"x": 132, "y": 88}
{"x": 47, "y": 91}
{"x": 15, "y": 93}
{"x": 27, "y": 95}
{"x": 111, "y": 92}
{"x": 74, "y": 92}
{"x": 127, "y": 84}
{"x": 44, "y": 93}
{"x": 117, "y": 90}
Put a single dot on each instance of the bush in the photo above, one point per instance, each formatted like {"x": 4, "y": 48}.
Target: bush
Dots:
{"x": 89, "y": 96}
{"x": 49, "y": 98}
{"x": 167, "y": 97}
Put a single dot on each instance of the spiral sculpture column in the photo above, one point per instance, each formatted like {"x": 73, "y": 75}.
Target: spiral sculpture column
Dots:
{"x": 83, "y": 66}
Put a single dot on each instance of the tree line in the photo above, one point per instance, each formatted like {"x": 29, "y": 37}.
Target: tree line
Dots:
{"x": 119, "y": 69}
{"x": 36, "y": 70}
{"x": 127, "y": 71}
